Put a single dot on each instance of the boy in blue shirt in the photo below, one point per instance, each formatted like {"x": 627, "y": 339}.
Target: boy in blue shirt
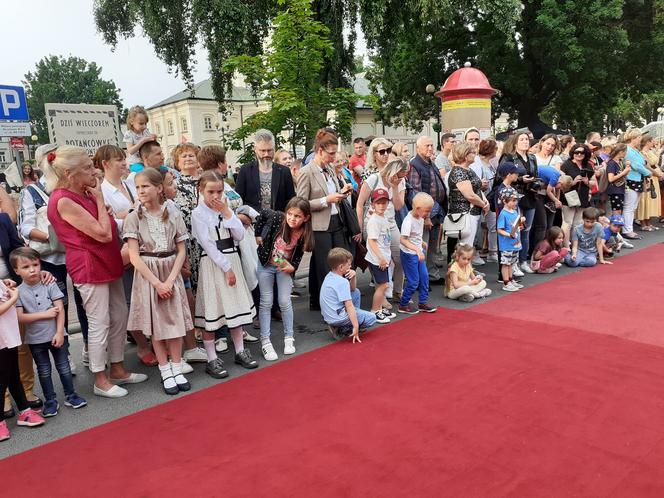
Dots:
{"x": 508, "y": 227}
{"x": 340, "y": 298}
{"x": 587, "y": 242}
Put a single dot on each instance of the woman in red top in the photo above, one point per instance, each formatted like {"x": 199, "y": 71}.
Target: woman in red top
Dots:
{"x": 78, "y": 215}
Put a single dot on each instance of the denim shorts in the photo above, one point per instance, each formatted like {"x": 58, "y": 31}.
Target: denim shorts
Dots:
{"x": 379, "y": 276}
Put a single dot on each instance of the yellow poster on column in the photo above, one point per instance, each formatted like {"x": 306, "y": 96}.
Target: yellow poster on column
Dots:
{"x": 467, "y": 104}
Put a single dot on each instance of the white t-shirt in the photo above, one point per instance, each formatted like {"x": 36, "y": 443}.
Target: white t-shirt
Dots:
{"x": 116, "y": 199}
{"x": 378, "y": 228}
{"x": 375, "y": 181}
{"x": 412, "y": 228}
{"x": 131, "y": 137}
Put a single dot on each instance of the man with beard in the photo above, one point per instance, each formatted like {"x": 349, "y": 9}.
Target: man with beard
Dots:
{"x": 261, "y": 183}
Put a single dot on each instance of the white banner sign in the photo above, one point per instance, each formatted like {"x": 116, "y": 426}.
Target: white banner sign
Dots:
{"x": 8, "y": 129}
{"x": 84, "y": 125}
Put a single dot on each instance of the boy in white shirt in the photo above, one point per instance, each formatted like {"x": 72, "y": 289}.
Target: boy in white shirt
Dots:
{"x": 379, "y": 255}
{"x": 413, "y": 260}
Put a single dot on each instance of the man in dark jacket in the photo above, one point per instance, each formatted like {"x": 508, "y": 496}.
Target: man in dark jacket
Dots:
{"x": 261, "y": 183}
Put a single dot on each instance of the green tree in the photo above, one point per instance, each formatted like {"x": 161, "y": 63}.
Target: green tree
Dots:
{"x": 288, "y": 77}
{"x": 226, "y": 28}
{"x": 69, "y": 80}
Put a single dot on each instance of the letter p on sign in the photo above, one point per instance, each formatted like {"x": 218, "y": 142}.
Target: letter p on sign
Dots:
{"x": 13, "y": 105}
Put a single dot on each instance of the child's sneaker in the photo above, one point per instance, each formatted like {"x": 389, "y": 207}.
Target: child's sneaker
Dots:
{"x": 517, "y": 284}
{"x": 467, "y": 298}
{"x": 516, "y": 271}
{"x": 628, "y": 245}
{"x": 51, "y": 408}
{"x": 485, "y": 292}
{"x": 388, "y": 313}
{"x": 29, "y": 418}
{"x": 75, "y": 401}
{"x": 289, "y": 345}
{"x": 409, "y": 309}
{"x": 268, "y": 352}
{"x": 244, "y": 359}
{"x": 215, "y": 368}
{"x": 427, "y": 308}
{"x": 4, "y": 431}
{"x": 381, "y": 318}
{"x": 510, "y": 287}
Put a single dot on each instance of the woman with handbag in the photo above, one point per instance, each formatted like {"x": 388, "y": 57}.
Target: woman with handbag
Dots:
{"x": 316, "y": 184}
{"x": 516, "y": 150}
{"x": 466, "y": 200}
{"x": 634, "y": 180}
{"x": 649, "y": 203}
{"x": 392, "y": 177}
{"x": 577, "y": 198}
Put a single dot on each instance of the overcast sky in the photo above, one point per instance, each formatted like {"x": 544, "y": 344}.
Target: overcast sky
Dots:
{"x": 32, "y": 29}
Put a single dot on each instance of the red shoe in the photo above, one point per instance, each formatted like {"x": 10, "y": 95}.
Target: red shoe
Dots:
{"x": 4, "y": 431}
{"x": 29, "y": 418}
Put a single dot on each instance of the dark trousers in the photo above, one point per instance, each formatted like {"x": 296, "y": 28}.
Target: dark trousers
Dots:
{"x": 59, "y": 272}
{"x": 323, "y": 242}
{"x": 10, "y": 378}
{"x": 542, "y": 222}
{"x": 43, "y": 362}
{"x": 451, "y": 243}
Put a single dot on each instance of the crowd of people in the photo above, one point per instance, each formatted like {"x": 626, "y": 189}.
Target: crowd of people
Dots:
{"x": 178, "y": 255}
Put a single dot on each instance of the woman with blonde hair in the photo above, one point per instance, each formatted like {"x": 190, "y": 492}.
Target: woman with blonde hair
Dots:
{"x": 402, "y": 150}
{"x": 649, "y": 203}
{"x": 377, "y": 156}
{"x": 634, "y": 179}
{"x": 89, "y": 234}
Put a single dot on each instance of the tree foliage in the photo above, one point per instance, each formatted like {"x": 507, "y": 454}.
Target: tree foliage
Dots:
{"x": 287, "y": 75}
{"x": 571, "y": 61}
{"x": 65, "y": 80}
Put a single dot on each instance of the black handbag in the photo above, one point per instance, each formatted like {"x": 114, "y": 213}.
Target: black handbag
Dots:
{"x": 348, "y": 219}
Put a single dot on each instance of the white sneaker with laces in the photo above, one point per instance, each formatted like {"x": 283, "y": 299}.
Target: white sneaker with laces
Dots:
{"x": 247, "y": 337}
{"x": 478, "y": 261}
{"x": 289, "y": 345}
{"x": 628, "y": 245}
{"x": 517, "y": 284}
{"x": 380, "y": 317}
{"x": 186, "y": 367}
{"x": 510, "y": 287}
{"x": 221, "y": 345}
{"x": 526, "y": 267}
{"x": 516, "y": 271}
{"x": 194, "y": 355}
{"x": 268, "y": 352}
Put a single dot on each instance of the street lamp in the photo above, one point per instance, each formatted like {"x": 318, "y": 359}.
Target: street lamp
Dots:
{"x": 431, "y": 89}
{"x": 34, "y": 139}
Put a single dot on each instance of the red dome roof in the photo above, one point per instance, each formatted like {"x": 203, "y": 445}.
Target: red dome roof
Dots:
{"x": 467, "y": 81}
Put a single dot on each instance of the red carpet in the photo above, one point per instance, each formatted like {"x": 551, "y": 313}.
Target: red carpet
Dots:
{"x": 459, "y": 404}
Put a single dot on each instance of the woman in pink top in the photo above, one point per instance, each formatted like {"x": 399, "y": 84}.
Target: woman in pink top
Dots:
{"x": 78, "y": 215}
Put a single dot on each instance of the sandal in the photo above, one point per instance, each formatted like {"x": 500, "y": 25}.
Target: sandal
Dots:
{"x": 148, "y": 359}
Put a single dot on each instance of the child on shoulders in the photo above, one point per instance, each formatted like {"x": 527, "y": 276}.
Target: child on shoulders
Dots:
{"x": 587, "y": 242}
{"x": 550, "y": 252}
{"x": 462, "y": 282}
{"x": 379, "y": 254}
{"x": 136, "y": 135}
{"x": 40, "y": 307}
{"x": 340, "y": 298}
{"x": 413, "y": 260}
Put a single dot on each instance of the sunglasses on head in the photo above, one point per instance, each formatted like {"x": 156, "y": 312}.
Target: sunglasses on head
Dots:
{"x": 382, "y": 152}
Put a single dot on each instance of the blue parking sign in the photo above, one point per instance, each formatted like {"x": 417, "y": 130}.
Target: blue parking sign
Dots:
{"x": 13, "y": 106}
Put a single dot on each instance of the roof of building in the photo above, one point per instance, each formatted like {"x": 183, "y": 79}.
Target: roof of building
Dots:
{"x": 203, "y": 91}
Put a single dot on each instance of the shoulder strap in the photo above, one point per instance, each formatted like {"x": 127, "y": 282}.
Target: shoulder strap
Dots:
{"x": 131, "y": 196}
{"x": 38, "y": 194}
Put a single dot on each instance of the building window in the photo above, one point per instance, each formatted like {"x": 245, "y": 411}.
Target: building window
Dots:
{"x": 169, "y": 124}
{"x": 3, "y": 156}
{"x": 183, "y": 122}
{"x": 207, "y": 123}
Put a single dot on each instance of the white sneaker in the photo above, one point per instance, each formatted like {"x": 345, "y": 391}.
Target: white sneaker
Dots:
{"x": 289, "y": 345}
{"x": 516, "y": 271}
{"x": 510, "y": 287}
{"x": 186, "y": 367}
{"x": 485, "y": 292}
{"x": 628, "y": 245}
{"x": 268, "y": 352}
{"x": 221, "y": 345}
{"x": 478, "y": 261}
{"x": 194, "y": 355}
{"x": 517, "y": 284}
{"x": 492, "y": 258}
{"x": 526, "y": 267}
{"x": 247, "y": 337}
{"x": 559, "y": 265}
{"x": 467, "y": 298}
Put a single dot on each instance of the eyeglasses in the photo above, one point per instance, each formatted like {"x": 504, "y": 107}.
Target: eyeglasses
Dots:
{"x": 579, "y": 152}
{"x": 383, "y": 152}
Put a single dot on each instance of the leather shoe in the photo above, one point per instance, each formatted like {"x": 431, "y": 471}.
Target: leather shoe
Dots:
{"x": 9, "y": 413}
{"x": 35, "y": 404}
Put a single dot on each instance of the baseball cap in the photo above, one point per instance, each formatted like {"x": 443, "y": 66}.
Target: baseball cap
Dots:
{"x": 42, "y": 151}
{"x": 510, "y": 193}
{"x": 507, "y": 168}
{"x": 616, "y": 219}
{"x": 378, "y": 194}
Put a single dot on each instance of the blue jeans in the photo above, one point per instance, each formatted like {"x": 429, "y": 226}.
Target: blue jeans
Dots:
{"x": 417, "y": 278}
{"x": 525, "y": 234}
{"x": 43, "y": 362}
{"x": 266, "y": 277}
{"x": 583, "y": 258}
{"x": 365, "y": 318}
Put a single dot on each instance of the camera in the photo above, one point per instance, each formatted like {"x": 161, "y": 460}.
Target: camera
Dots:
{"x": 538, "y": 184}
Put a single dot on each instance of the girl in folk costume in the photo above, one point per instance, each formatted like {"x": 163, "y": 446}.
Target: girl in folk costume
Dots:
{"x": 159, "y": 306}
{"x": 223, "y": 297}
